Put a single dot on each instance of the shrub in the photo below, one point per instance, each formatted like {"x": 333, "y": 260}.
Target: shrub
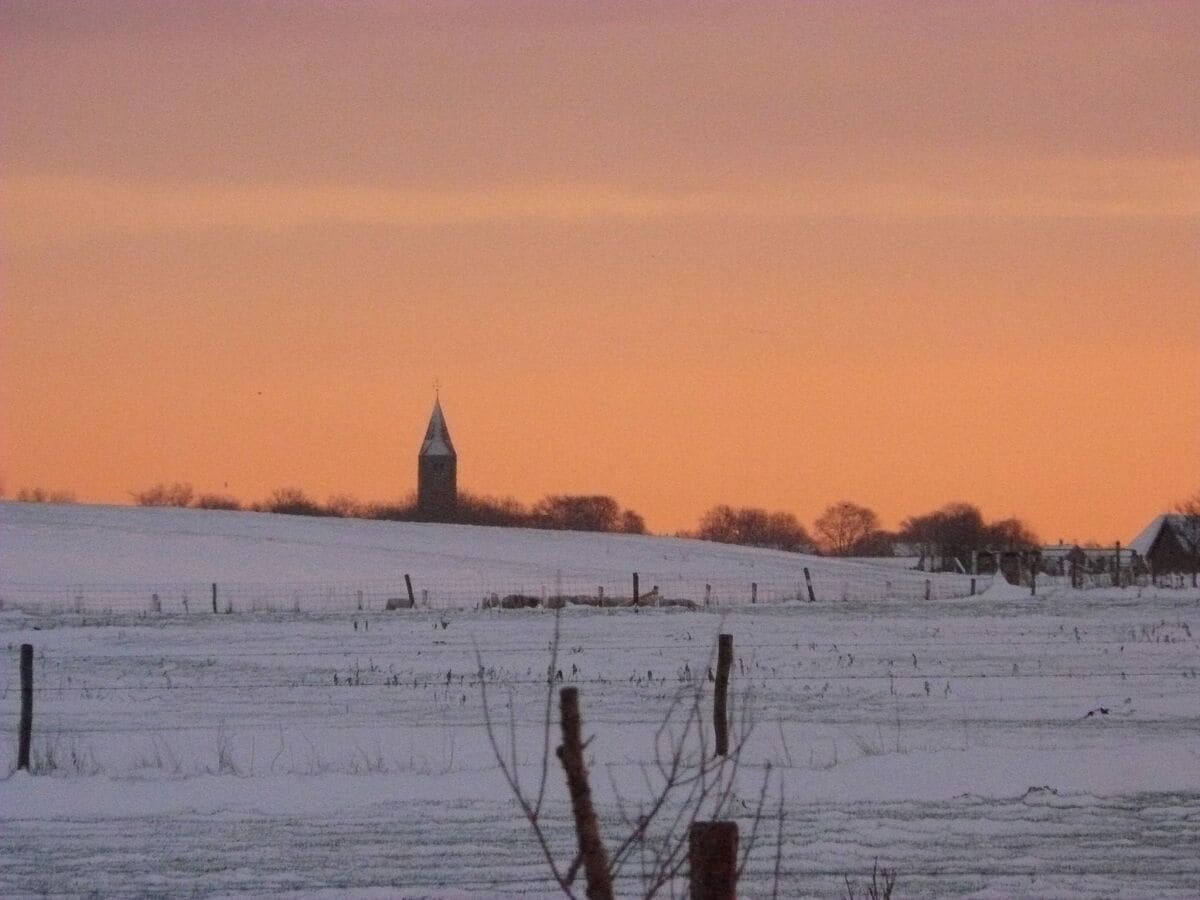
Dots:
{"x": 292, "y": 502}
{"x": 217, "y": 501}
{"x": 42, "y": 495}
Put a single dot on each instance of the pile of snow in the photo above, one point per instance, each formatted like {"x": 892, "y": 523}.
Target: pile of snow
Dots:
{"x": 1002, "y": 589}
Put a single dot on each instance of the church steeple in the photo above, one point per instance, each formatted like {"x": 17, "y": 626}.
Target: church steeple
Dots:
{"x": 437, "y": 435}
{"x": 437, "y": 470}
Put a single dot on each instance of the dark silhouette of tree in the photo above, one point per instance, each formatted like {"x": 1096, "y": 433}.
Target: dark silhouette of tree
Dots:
{"x": 632, "y": 523}
{"x": 956, "y": 529}
{"x": 752, "y": 527}
{"x": 844, "y": 526}
{"x": 583, "y": 512}
{"x": 178, "y": 493}
{"x": 1189, "y": 528}
{"x": 558, "y": 512}
{"x": 1010, "y": 534}
{"x": 877, "y": 543}
{"x": 292, "y": 501}
{"x": 404, "y": 510}
{"x": 42, "y": 495}
{"x": 344, "y": 506}
{"x": 217, "y": 501}
{"x": 503, "y": 512}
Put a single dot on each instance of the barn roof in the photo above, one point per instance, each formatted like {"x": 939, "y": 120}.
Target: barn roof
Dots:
{"x": 1177, "y": 525}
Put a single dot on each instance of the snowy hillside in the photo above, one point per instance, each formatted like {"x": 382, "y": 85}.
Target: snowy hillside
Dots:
{"x": 998, "y": 746}
{"x": 117, "y": 556}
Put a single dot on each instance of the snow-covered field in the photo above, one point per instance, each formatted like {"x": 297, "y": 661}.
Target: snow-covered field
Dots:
{"x": 106, "y": 558}
{"x": 302, "y": 746}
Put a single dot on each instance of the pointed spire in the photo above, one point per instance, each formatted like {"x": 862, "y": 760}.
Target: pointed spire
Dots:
{"x": 437, "y": 435}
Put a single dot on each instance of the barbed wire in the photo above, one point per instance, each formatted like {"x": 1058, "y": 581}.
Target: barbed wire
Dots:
{"x": 665, "y": 680}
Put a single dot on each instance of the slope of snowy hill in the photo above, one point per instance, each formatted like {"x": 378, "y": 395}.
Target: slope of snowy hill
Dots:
{"x": 124, "y": 553}
{"x": 999, "y": 746}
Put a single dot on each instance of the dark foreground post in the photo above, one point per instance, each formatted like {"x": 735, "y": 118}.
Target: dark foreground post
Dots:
{"x": 26, "y": 706}
{"x": 636, "y": 594}
{"x": 412, "y": 600}
{"x": 812, "y": 597}
{"x": 214, "y": 587}
{"x": 712, "y": 852}
{"x": 754, "y": 592}
{"x": 587, "y": 829}
{"x": 720, "y": 696}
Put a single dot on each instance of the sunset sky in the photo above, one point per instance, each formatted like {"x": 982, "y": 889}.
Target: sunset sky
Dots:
{"x": 765, "y": 254}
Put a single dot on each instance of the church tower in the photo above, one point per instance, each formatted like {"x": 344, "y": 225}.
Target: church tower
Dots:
{"x": 437, "y": 471}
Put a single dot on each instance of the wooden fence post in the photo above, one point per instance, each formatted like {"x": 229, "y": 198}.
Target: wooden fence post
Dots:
{"x": 587, "y": 829}
{"x": 712, "y": 853}
{"x": 972, "y": 587}
{"x": 754, "y": 592}
{"x": 721, "y": 692}
{"x": 928, "y": 588}
{"x": 636, "y": 595}
{"x": 26, "y": 733}
{"x": 812, "y": 597}
{"x": 412, "y": 600}
{"x": 214, "y": 592}
{"x": 708, "y": 595}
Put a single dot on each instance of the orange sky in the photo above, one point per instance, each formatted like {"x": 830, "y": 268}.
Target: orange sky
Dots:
{"x": 775, "y": 254}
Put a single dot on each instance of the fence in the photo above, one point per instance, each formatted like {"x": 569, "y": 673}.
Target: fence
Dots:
{"x": 466, "y": 592}
{"x": 837, "y": 693}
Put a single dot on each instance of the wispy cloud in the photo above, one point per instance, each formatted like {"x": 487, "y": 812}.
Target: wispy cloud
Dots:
{"x": 38, "y": 207}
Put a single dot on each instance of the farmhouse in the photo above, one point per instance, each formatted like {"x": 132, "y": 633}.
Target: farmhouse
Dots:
{"x": 1170, "y": 545}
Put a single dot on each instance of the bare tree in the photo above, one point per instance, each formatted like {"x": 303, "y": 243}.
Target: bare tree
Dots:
{"x": 1188, "y": 530}
{"x": 684, "y": 783}
{"x": 753, "y": 527}
{"x": 43, "y": 495}
{"x": 217, "y": 501}
{"x": 344, "y": 506}
{"x": 956, "y": 529}
{"x": 585, "y": 512}
{"x": 844, "y": 526}
{"x": 178, "y": 493}
{"x": 293, "y": 502}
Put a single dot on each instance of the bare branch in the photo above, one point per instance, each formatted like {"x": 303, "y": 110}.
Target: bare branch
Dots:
{"x": 531, "y": 815}
{"x": 541, "y": 794}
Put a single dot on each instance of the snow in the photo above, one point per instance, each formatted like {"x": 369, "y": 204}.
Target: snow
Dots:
{"x": 116, "y": 557}
{"x": 1183, "y": 529}
{"x": 1001, "y": 588}
{"x": 960, "y": 740}
{"x": 1145, "y": 538}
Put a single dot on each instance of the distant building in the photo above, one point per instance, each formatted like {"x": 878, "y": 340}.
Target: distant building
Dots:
{"x": 437, "y": 471}
{"x": 1063, "y": 559}
{"x": 1080, "y": 563}
{"x": 1170, "y": 544}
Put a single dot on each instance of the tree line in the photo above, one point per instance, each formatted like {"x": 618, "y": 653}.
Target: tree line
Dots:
{"x": 849, "y": 529}
{"x": 943, "y": 535}
{"x": 560, "y": 512}
{"x": 843, "y": 529}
